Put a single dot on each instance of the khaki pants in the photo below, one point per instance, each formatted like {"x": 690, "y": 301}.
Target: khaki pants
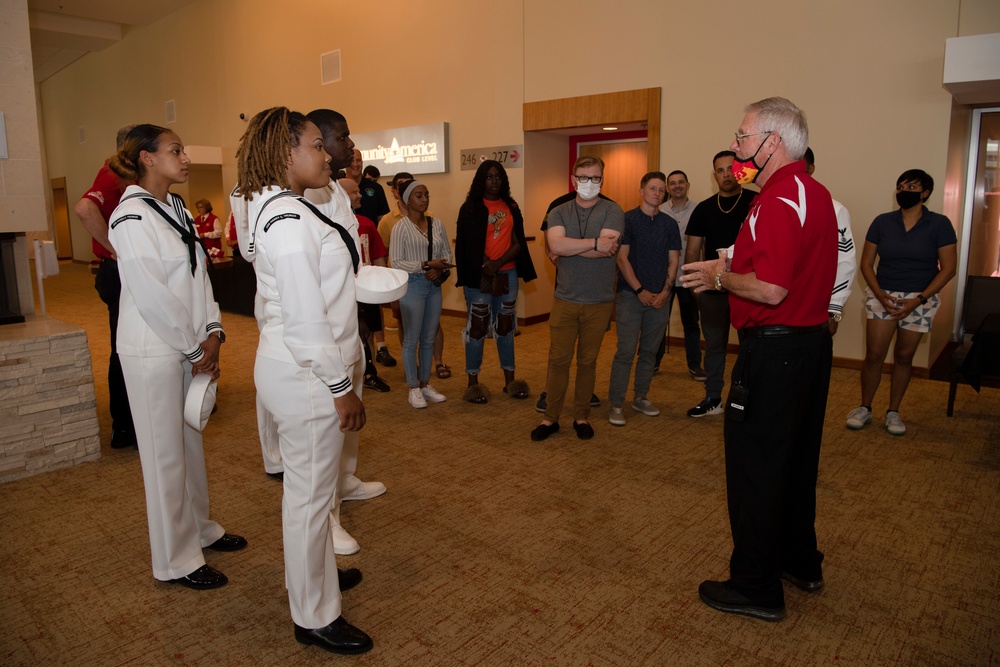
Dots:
{"x": 579, "y": 325}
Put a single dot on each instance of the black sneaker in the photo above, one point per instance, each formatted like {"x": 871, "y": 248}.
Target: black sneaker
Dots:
{"x": 540, "y": 406}
{"x": 384, "y": 358}
{"x": 376, "y": 383}
{"x": 710, "y": 406}
{"x": 594, "y": 401}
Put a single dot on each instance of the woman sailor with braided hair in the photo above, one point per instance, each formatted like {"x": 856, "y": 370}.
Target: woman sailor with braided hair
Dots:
{"x": 309, "y": 364}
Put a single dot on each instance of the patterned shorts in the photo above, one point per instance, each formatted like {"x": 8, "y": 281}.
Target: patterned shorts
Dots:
{"x": 919, "y": 320}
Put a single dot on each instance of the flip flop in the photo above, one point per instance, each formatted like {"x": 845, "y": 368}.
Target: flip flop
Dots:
{"x": 443, "y": 371}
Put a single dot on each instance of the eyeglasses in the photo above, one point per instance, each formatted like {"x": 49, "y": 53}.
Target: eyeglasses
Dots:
{"x": 741, "y": 137}
{"x": 587, "y": 179}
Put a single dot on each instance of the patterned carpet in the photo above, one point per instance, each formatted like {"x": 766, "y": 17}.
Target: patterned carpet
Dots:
{"x": 489, "y": 549}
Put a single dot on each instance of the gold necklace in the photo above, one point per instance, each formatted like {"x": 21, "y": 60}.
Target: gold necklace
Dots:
{"x": 718, "y": 202}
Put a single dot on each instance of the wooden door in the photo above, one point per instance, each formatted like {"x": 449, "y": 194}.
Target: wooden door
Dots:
{"x": 60, "y": 219}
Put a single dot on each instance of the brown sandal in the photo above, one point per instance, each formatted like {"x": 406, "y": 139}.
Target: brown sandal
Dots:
{"x": 443, "y": 371}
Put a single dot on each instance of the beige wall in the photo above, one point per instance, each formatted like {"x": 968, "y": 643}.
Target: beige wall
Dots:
{"x": 22, "y": 200}
{"x": 867, "y": 74}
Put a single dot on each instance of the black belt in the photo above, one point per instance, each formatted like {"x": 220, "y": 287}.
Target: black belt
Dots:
{"x": 778, "y": 330}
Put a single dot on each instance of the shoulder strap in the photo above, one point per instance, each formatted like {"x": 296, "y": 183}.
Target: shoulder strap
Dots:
{"x": 430, "y": 239}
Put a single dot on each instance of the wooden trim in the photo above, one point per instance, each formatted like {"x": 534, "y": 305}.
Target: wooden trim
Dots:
{"x": 630, "y": 106}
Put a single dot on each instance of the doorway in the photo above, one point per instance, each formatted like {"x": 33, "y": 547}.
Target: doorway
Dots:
{"x": 625, "y": 156}
{"x": 980, "y": 252}
{"x": 60, "y": 218}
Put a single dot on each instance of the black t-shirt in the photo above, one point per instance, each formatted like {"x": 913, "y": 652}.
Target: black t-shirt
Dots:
{"x": 373, "y": 201}
{"x": 718, "y": 220}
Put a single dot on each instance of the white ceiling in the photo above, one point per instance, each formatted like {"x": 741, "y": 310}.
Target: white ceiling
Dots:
{"x": 64, "y": 30}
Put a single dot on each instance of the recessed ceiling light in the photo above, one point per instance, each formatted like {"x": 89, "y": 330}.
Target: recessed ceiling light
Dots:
{"x": 609, "y": 129}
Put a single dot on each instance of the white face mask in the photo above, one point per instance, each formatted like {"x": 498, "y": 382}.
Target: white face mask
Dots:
{"x": 588, "y": 191}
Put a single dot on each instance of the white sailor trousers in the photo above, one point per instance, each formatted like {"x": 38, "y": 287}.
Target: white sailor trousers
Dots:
{"x": 311, "y": 445}
{"x": 173, "y": 464}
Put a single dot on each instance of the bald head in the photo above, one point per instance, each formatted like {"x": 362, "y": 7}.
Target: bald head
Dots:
{"x": 352, "y": 190}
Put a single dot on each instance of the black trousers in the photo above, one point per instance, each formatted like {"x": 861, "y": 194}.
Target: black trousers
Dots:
{"x": 109, "y": 287}
{"x": 772, "y": 458}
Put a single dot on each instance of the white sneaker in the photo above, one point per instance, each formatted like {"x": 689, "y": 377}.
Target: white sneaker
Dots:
{"x": 343, "y": 543}
{"x": 355, "y": 489}
{"x": 893, "y": 424}
{"x": 416, "y": 398}
{"x": 616, "y": 415}
{"x": 858, "y": 418}
{"x": 433, "y": 395}
{"x": 645, "y": 406}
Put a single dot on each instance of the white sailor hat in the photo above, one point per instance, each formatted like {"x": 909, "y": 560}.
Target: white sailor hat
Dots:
{"x": 380, "y": 284}
{"x": 199, "y": 401}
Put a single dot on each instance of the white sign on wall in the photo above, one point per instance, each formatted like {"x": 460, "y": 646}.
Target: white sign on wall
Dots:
{"x": 511, "y": 157}
{"x": 419, "y": 149}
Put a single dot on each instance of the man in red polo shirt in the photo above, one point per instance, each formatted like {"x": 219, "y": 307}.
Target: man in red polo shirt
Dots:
{"x": 779, "y": 282}
{"x": 94, "y": 210}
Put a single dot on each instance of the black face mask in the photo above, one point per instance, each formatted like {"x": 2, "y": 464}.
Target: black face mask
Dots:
{"x": 907, "y": 198}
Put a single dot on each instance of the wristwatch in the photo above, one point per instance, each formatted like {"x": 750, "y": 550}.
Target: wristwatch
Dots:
{"x": 638, "y": 290}
{"x": 221, "y": 335}
{"x": 718, "y": 282}
{"x": 836, "y": 317}
{"x": 923, "y": 299}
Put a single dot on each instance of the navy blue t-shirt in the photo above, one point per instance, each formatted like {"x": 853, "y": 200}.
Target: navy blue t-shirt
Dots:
{"x": 908, "y": 260}
{"x": 649, "y": 240}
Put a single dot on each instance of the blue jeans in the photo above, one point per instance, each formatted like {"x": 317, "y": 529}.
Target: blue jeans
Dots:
{"x": 421, "y": 311}
{"x": 490, "y": 316}
{"x": 637, "y": 325}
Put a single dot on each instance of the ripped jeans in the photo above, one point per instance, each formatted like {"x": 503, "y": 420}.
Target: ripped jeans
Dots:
{"x": 490, "y": 316}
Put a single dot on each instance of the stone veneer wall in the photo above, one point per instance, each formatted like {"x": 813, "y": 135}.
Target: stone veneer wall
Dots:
{"x": 48, "y": 412}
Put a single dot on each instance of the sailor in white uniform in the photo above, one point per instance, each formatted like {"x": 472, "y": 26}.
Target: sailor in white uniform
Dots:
{"x": 168, "y": 314}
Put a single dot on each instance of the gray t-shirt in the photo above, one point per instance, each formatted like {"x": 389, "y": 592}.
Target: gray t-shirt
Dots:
{"x": 586, "y": 279}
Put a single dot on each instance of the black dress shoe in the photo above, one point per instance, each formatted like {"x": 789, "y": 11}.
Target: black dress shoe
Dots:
{"x": 384, "y": 358}
{"x": 808, "y": 585}
{"x": 376, "y": 383}
{"x": 584, "y": 430}
{"x": 348, "y": 579}
{"x": 123, "y": 439}
{"x": 338, "y": 637}
{"x": 203, "y": 578}
{"x": 280, "y": 476}
{"x": 228, "y": 543}
{"x": 718, "y": 595}
{"x": 543, "y": 431}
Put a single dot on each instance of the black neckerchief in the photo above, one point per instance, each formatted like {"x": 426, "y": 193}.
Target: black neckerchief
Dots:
{"x": 186, "y": 231}
{"x": 345, "y": 236}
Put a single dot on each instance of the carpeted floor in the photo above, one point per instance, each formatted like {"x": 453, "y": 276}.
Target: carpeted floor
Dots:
{"x": 489, "y": 549}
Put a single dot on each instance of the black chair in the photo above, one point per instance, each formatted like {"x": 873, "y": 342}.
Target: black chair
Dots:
{"x": 978, "y": 357}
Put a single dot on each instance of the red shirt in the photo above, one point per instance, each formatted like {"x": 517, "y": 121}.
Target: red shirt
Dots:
{"x": 106, "y": 192}
{"x": 372, "y": 247}
{"x": 788, "y": 239}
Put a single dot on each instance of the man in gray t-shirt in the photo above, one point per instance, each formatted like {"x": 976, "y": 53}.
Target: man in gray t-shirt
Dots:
{"x": 584, "y": 234}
